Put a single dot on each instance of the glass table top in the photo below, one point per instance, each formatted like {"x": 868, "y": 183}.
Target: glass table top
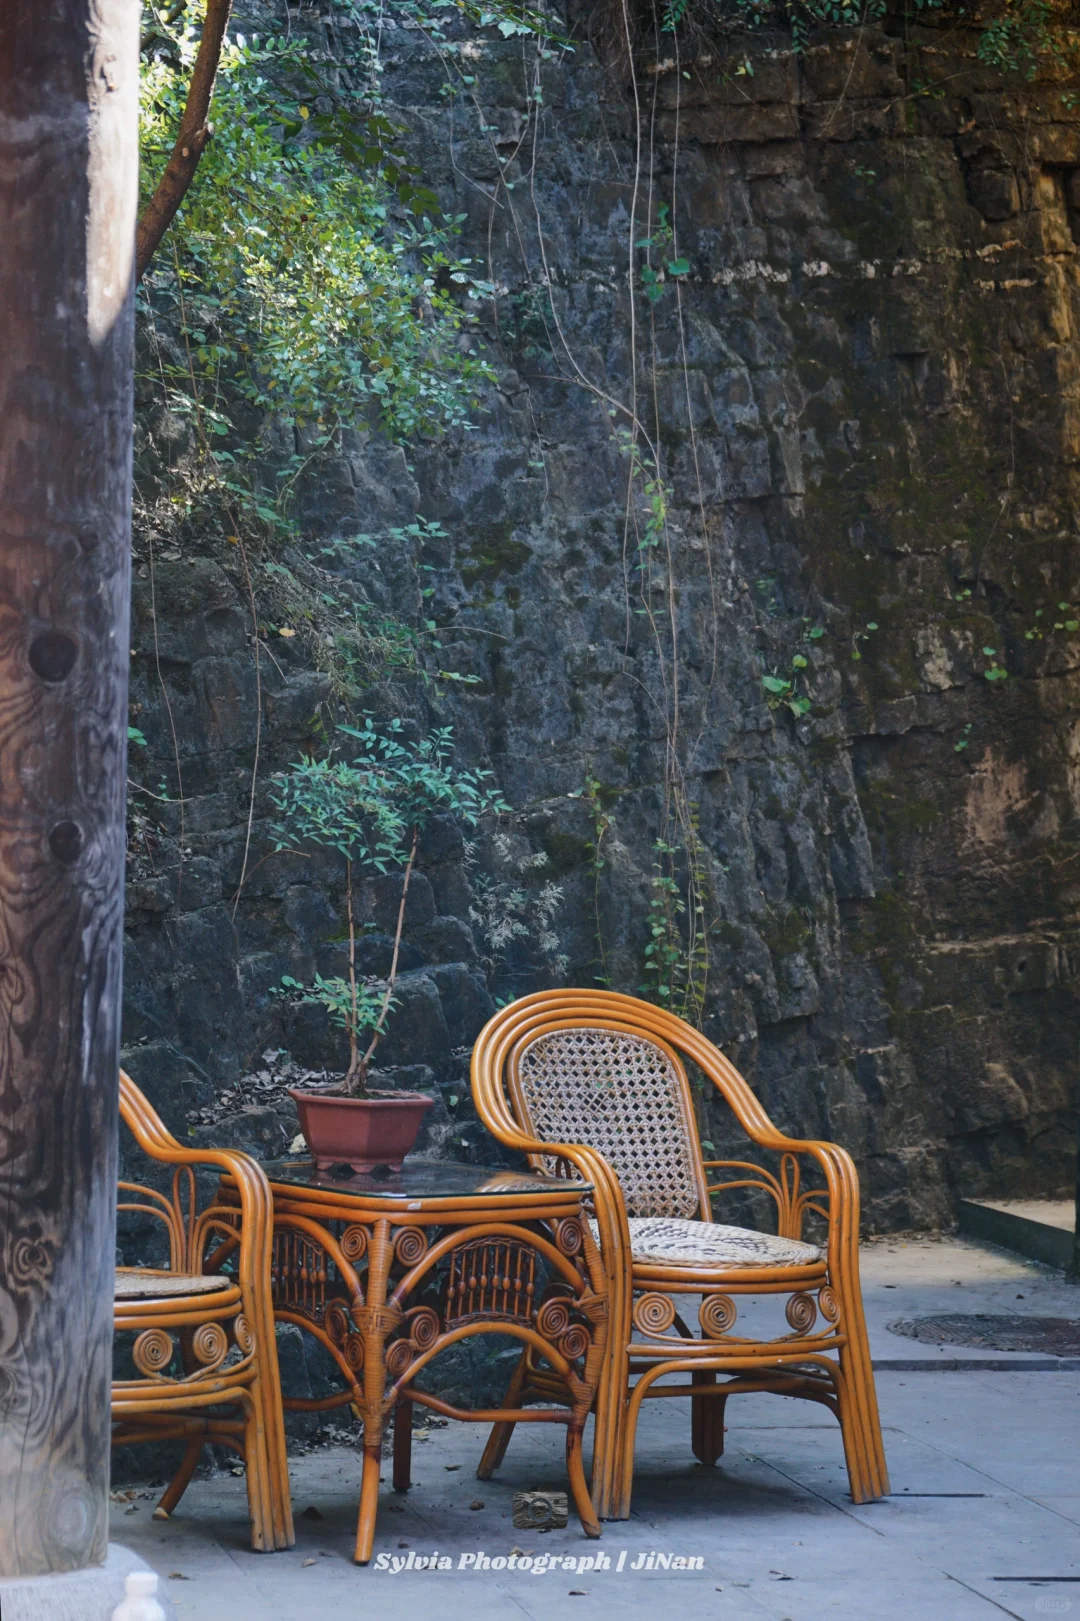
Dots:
{"x": 421, "y": 1179}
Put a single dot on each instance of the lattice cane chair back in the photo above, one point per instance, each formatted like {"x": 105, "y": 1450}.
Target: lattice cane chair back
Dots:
{"x": 624, "y": 1094}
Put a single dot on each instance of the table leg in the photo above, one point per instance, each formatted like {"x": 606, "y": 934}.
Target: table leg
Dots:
{"x": 369, "y": 1503}
{"x": 403, "y": 1444}
{"x": 499, "y": 1439}
{"x": 576, "y": 1472}
{"x": 372, "y": 1324}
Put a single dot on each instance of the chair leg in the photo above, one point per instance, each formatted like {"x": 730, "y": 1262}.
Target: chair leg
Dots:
{"x": 851, "y": 1433}
{"x": 274, "y": 1461}
{"x": 623, "y": 1478}
{"x": 499, "y": 1439}
{"x": 259, "y": 1488}
{"x": 858, "y": 1374}
{"x": 707, "y": 1420}
{"x": 181, "y": 1480}
{"x": 610, "y": 1486}
{"x": 266, "y": 1392}
{"x": 402, "y": 1444}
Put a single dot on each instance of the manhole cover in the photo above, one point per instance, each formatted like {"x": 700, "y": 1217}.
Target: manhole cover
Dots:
{"x": 1053, "y": 1336}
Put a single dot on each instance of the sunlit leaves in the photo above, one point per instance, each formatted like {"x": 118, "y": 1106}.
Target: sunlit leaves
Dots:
{"x": 292, "y": 268}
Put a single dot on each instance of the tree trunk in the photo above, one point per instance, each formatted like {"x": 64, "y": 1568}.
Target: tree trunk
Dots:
{"x": 191, "y": 139}
{"x": 68, "y": 155}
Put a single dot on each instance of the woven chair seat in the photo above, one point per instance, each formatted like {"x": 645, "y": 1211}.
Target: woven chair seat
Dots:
{"x": 674, "y": 1241}
{"x": 142, "y": 1283}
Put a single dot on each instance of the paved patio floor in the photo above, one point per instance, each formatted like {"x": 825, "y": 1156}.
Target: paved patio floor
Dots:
{"x": 985, "y": 1464}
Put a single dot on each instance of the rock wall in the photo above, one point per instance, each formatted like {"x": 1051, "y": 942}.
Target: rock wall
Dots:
{"x": 863, "y": 394}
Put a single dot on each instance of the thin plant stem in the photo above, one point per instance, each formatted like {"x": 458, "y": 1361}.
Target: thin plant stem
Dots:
{"x": 376, "y": 1034}
{"x": 354, "y": 1079}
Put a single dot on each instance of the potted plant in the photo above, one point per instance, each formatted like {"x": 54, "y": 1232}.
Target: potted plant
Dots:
{"x": 370, "y": 809}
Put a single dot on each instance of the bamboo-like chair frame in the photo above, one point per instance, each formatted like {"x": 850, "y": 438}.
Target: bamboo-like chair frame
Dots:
{"x": 230, "y": 1392}
{"x": 832, "y": 1367}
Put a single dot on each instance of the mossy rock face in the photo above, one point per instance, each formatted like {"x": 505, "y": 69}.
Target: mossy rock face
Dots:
{"x": 567, "y": 852}
{"x": 863, "y": 396}
{"x": 492, "y": 561}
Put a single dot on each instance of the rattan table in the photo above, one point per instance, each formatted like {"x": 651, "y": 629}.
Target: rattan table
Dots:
{"x": 386, "y": 1272}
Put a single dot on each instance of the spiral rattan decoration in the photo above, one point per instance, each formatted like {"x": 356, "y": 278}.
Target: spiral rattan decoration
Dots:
{"x": 210, "y": 1344}
{"x": 153, "y": 1351}
{"x": 424, "y": 1328}
{"x": 398, "y": 1357}
{"x": 575, "y": 1342}
{"x": 337, "y": 1322}
{"x": 830, "y": 1305}
{"x": 568, "y": 1235}
{"x": 553, "y": 1319}
{"x": 653, "y": 1313}
{"x": 244, "y": 1335}
{"x": 354, "y": 1242}
{"x": 801, "y": 1313}
{"x": 410, "y": 1245}
{"x": 354, "y": 1352}
{"x": 717, "y": 1314}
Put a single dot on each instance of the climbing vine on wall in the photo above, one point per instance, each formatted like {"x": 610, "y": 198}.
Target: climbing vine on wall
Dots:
{"x": 310, "y": 282}
{"x": 308, "y": 286}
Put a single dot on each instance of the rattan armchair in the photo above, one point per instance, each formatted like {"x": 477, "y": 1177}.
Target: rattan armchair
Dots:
{"x": 595, "y": 1083}
{"x": 204, "y": 1353}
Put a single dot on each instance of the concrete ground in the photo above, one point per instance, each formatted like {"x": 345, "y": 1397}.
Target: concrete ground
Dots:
{"x": 983, "y": 1521}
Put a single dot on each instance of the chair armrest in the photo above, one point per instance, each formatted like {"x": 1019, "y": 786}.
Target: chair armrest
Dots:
{"x": 837, "y": 1166}
{"x": 256, "y": 1202}
{"x": 792, "y": 1201}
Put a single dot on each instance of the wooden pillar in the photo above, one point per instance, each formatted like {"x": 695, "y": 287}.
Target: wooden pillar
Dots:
{"x": 68, "y": 156}
{"x": 1076, "y": 1212}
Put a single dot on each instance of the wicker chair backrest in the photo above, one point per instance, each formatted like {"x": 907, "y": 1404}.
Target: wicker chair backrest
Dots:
{"x": 623, "y": 1095}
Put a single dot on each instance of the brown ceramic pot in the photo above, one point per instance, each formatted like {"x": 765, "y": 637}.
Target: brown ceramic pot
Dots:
{"x": 379, "y": 1129}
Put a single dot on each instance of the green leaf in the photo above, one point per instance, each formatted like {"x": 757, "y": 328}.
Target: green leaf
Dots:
{"x": 775, "y": 683}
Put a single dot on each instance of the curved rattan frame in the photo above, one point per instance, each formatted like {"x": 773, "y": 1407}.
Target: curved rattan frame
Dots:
{"x": 832, "y": 1366}
{"x": 229, "y": 1392}
{"x": 362, "y": 1311}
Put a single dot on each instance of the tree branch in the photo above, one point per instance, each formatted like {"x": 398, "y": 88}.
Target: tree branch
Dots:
{"x": 190, "y": 141}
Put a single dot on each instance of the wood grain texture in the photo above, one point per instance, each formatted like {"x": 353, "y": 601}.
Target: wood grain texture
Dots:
{"x": 68, "y": 98}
